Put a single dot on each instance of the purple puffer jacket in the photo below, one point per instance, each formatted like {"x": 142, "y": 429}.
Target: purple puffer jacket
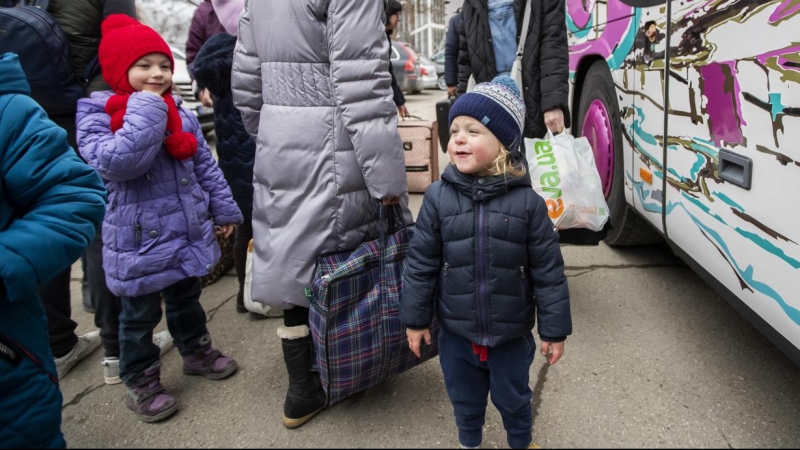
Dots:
{"x": 159, "y": 224}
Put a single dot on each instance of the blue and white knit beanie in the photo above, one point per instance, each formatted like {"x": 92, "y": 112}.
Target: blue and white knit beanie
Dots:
{"x": 498, "y": 106}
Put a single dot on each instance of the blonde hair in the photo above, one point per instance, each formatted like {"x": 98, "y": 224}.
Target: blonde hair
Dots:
{"x": 502, "y": 165}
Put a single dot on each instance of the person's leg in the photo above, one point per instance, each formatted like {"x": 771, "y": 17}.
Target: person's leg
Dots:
{"x": 86, "y": 295}
{"x": 244, "y": 233}
{"x": 139, "y": 362}
{"x": 305, "y": 397}
{"x": 140, "y": 315}
{"x": 509, "y": 366}
{"x": 467, "y": 384}
{"x": 186, "y": 321}
{"x": 107, "y": 310}
{"x": 107, "y": 305}
{"x": 56, "y": 300}
{"x": 68, "y": 348}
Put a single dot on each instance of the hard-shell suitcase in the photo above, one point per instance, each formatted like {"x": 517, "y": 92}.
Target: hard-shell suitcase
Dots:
{"x": 442, "y": 118}
{"x": 419, "y": 146}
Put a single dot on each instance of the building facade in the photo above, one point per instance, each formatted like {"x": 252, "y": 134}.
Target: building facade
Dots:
{"x": 422, "y": 24}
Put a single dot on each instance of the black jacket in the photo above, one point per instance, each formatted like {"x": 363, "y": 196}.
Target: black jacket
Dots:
{"x": 485, "y": 254}
{"x": 545, "y": 61}
{"x": 235, "y": 147}
{"x": 451, "y": 51}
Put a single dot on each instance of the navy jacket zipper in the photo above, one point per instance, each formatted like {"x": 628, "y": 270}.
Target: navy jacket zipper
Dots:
{"x": 483, "y": 301}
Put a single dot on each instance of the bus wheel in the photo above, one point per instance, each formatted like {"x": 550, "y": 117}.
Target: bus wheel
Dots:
{"x": 599, "y": 121}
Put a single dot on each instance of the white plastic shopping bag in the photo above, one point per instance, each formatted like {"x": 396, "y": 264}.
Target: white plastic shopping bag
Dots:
{"x": 253, "y": 306}
{"x": 563, "y": 172}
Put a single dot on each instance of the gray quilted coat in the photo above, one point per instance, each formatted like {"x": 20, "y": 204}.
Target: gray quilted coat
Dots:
{"x": 311, "y": 79}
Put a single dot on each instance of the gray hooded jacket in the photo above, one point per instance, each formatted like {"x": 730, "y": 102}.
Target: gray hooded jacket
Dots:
{"x": 311, "y": 79}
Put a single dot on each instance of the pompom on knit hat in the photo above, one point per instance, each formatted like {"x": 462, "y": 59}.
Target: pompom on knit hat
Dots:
{"x": 124, "y": 41}
{"x": 498, "y": 106}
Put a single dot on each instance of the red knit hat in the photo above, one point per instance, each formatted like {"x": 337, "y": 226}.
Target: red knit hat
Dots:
{"x": 125, "y": 40}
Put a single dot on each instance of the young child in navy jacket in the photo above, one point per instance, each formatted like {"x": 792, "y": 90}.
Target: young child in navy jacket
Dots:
{"x": 486, "y": 256}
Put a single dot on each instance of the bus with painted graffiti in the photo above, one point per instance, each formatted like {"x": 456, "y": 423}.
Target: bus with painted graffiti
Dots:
{"x": 692, "y": 108}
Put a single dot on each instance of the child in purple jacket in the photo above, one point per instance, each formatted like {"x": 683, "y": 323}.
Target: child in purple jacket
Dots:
{"x": 166, "y": 197}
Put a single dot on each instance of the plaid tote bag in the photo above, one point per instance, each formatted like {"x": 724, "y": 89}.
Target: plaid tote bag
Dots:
{"x": 355, "y": 317}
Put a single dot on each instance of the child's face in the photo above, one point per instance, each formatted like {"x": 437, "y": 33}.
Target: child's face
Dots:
{"x": 151, "y": 73}
{"x": 472, "y": 147}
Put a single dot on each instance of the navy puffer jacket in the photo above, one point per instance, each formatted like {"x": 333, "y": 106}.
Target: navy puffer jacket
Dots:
{"x": 485, "y": 253}
{"x": 235, "y": 147}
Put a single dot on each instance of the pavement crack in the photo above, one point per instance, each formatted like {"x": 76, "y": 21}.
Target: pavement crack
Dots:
{"x": 575, "y": 275}
{"x": 78, "y": 397}
{"x": 726, "y": 439}
{"x": 213, "y": 311}
{"x": 593, "y": 267}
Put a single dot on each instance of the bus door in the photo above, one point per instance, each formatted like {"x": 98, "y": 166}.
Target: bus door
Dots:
{"x": 733, "y": 151}
{"x": 645, "y": 118}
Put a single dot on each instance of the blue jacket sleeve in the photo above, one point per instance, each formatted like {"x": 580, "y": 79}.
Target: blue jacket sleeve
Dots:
{"x": 451, "y": 51}
{"x": 59, "y": 201}
{"x": 546, "y": 266}
{"x": 423, "y": 265}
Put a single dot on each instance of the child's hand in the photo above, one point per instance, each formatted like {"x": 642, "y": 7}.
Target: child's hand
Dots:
{"x": 415, "y": 339}
{"x": 225, "y": 230}
{"x": 557, "y": 350}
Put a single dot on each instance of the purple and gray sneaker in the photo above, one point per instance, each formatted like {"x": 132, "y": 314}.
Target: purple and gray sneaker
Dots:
{"x": 209, "y": 362}
{"x": 148, "y": 398}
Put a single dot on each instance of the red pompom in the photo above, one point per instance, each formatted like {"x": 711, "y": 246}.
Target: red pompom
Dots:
{"x": 181, "y": 145}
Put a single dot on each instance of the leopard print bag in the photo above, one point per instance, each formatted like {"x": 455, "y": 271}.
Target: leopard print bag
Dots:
{"x": 225, "y": 263}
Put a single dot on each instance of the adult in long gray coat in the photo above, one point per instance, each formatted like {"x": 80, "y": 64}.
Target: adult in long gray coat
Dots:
{"x": 311, "y": 78}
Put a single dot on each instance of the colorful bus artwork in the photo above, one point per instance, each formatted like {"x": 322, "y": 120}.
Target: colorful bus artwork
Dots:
{"x": 692, "y": 108}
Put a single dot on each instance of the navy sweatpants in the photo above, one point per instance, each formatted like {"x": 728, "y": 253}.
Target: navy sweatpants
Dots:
{"x": 505, "y": 375}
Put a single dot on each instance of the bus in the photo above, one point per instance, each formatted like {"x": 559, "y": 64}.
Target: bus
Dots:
{"x": 692, "y": 108}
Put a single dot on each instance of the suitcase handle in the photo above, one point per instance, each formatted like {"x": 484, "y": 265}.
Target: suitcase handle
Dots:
{"x": 412, "y": 117}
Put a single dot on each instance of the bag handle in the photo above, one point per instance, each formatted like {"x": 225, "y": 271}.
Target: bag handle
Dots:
{"x": 412, "y": 117}
{"x": 388, "y": 213}
{"x": 526, "y": 21}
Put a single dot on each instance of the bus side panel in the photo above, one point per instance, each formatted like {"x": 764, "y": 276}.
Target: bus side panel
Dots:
{"x": 741, "y": 93}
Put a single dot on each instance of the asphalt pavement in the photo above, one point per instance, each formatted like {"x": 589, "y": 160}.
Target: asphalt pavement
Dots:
{"x": 656, "y": 360}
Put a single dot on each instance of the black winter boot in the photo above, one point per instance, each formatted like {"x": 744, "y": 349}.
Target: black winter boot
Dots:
{"x": 305, "y": 397}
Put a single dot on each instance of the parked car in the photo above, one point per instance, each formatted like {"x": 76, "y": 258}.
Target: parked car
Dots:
{"x": 427, "y": 69}
{"x": 438, "y": 59}
{"x": 405, "y": 64}
{"x": 185, "y": 87}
